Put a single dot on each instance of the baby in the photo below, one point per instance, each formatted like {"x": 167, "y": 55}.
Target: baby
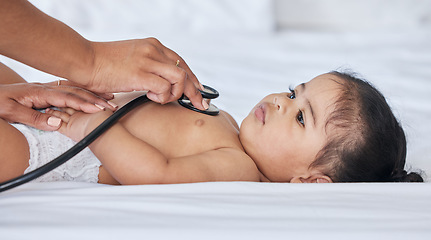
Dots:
{"x": 334, "y": 128}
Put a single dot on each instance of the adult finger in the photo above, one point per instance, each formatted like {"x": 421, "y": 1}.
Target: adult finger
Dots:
{"x": 182, "y": 64}
{"x": 174, "y": 79}
{"x": 169, "y": 56}
{"x": 36, "y": 118}
{"x": 179, "y": 83}
{"x": 160, "y": 88}
{"x": 78, "y": 98}
{"x": 195, "y": 96}
{"x": 63, "y": 115}
{"x": 72, "y": 100}
{"x": 190, "y": 90}
{"x": 61, "y": 83}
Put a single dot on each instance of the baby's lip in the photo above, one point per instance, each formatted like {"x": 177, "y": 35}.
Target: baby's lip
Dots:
{"x": 260, "y": 113}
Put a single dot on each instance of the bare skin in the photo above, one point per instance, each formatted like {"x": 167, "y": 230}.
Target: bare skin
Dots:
{"x": 205, "y": 148}
{"x": 170, "y": 144}
{"x": 42, "y": 42}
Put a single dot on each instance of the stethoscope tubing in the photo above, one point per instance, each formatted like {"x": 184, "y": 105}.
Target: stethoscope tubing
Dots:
{"x": 209, "y": 93}
{"x": 99, "y": 130}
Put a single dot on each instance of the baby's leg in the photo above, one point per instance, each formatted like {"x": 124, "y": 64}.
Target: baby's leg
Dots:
{"x": 106, "y": 178}
{"x": 14, "y": 152}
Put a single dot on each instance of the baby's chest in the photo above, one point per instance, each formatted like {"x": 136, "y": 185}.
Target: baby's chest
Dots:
{"x": 176, "y": 131}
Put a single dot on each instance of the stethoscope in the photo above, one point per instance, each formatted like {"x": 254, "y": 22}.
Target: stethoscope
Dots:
{"x": 207, "y": 94}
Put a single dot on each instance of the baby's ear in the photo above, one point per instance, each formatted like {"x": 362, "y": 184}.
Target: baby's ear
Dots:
{"x": 315, "y": 178}
{"x": 323, "y": 179}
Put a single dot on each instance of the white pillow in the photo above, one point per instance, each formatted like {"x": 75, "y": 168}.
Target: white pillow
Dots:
{"x": 152, "y": 16}
{"x": 353, "y": 14}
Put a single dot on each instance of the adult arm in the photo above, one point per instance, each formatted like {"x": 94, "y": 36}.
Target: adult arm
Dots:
{"x": 9, "y": 76}
{"x": 38, "y": 40}
{"x": 18, "y": 98}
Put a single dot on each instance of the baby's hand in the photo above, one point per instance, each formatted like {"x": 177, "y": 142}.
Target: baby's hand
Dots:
{"x": 76, "y": 124}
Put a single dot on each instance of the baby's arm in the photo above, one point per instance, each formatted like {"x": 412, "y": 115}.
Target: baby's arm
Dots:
{"x": 119, "y": 151}
{"x": 131, "y": 160}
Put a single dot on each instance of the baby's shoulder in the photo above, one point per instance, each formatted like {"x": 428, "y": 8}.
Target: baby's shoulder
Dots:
{"x": 229, "y": 118}
{"x": 238, "y": 161}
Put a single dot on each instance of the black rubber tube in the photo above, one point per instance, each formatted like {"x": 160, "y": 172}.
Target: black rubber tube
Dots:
{"x": 105, "y": 125}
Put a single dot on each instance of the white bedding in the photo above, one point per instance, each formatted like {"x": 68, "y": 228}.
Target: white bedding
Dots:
{"x": 245, "y": 63}
{"x": 217, "y": 211}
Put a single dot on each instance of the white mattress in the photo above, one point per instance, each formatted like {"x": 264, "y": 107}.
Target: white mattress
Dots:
{"x": 245, "y": 66}
{"x": 217, "y": 211}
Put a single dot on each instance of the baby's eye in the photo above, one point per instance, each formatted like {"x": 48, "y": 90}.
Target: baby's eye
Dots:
{"x": 300, "y": 118}
{"x": 292, "y": 94}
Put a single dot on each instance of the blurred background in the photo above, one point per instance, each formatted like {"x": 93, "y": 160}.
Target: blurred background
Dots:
{"x": 249, "y": 48}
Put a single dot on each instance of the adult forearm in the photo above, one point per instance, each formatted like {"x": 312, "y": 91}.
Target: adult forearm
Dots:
{"x": 38, "y": 40}
{"x": 34, "y": 38}
{"x": 8, "y": 76}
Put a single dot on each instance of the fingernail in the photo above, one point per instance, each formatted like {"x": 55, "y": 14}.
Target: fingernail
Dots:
{"x": 205, "y": 104}
{"x": 99, "y": 106}
{"x": 112, "y": 104}
{"x": 54, "y": 121}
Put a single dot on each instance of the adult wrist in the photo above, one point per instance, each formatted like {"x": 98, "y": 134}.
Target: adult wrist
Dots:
{"x": 82, "y": 71}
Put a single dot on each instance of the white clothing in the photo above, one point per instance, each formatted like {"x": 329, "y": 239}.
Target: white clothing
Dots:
{"x": 45, "y": 146}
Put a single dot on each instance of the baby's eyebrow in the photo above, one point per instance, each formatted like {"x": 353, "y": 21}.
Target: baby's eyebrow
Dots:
{"x": 302, "y": 85}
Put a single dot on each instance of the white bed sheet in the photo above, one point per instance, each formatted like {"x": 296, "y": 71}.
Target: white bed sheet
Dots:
{"x": 244, "y": 67}
{"x": 235, "y": 210}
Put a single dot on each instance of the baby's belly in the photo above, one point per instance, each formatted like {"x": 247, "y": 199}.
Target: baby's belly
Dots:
{"x": 176, "y": 131}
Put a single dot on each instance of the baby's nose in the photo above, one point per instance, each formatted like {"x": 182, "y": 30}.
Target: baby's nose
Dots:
{"x": 281, "y": 101}
{"x": 276, "y": 101}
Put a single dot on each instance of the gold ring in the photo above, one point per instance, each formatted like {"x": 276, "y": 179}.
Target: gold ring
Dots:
{"x": 178, "y": 63}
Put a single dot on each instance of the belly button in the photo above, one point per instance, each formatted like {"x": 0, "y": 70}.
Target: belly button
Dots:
{"x": 199, "y": 122}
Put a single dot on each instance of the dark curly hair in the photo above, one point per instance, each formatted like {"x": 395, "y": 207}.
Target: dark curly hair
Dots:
{"x": 367, "y": 143}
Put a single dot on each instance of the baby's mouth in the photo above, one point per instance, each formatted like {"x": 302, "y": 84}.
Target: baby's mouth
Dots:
{"x": 260, "y": 113}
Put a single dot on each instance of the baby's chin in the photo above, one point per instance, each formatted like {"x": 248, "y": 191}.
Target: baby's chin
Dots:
{"x": 244, "y": 124}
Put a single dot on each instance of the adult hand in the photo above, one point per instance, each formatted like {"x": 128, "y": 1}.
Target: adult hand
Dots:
{"x": 142, "y": 64}
{"x": 19, "y": 100}
{"x": 49, "y": 45}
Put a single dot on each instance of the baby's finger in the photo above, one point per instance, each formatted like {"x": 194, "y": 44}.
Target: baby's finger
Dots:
{"x": 68, "y": 110}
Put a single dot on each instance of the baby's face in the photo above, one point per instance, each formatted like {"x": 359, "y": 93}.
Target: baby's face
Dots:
{"x": 284, "y": 132}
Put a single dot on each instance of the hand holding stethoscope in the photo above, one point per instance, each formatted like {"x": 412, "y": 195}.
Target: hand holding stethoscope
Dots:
{"x": 208, "y": 93}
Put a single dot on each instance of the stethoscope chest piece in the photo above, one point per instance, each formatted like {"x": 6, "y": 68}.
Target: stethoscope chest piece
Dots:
{"x": 207, "y": 94}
